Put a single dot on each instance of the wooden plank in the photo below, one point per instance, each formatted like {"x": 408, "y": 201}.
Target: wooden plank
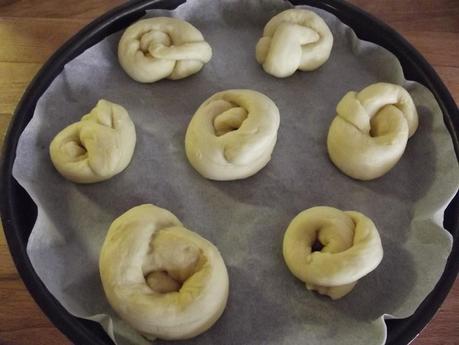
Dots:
{"x": 34, "y": 336}
{"x": 450, "y": 77}
{"x": 4, "y": 122}
{"x": 443, "y": 329}
{"x": 22, "y": 322}
{"x": 415, "y": 15}
{"x": 34, "y": 39}
{"x": 7, "y": 268}
{"x": 439, "y": 48}
{"x": 61, "y": 9}
{"x": 14, "y": 79}
{"x": 30, "y": 31}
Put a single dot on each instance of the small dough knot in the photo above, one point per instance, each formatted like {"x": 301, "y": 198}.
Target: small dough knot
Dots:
{"x": 232, "y": 134}
{"x": 370, "y": 131}
{"x": 162, "y": 47}
{"x": 294, "y": 39}
{"x": 97, "y": 147}
{"x": 351, "y": 248}
{"x": 163, "y": 279}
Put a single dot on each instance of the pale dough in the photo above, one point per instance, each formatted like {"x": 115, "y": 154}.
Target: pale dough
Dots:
{"x": 162, "y": 47}
{"x": 370, "y": 131}
{"x": 166, "y": 281}
{"x": 97, "y": 147}
{"x": 232, "y": 134}
{"x": 294, "y": 39}
{"x": 351, "y": 249}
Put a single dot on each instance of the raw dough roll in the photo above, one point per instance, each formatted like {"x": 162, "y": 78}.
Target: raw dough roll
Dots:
{"x": 232, "y": 134}
{"x": 351, "y": 249}
{"x": 97, "y": 147}
{"x": 370, "y": 131}
{"x": 294, "y": 39}
{"x": 164, "y": 280}
{"x": 162, "y": 47}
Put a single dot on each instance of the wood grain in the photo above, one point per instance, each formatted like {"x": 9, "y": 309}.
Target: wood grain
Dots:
{"x": 30, "y": 31}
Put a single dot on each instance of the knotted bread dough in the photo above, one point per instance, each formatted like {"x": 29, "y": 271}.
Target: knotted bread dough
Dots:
{"x": 162, "y": 47}
{"x": 232, "y": 134}
{"x": 162, "y": 279}
{"x": 370, "y": 131}
{"x": 294, "y": 39}
{"x": 351, "y": 249}
{"x": 97, "y": 147}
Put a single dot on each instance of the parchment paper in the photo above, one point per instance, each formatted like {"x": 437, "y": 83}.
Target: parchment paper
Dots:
{"x": 245, "y": 219}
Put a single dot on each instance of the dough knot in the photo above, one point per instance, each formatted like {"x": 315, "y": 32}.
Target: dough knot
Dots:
{"x": 350, "y": 248}
{"x": 294, "y": 39}
{"x": 162, "y": 47}
{"x": 97, "y": 147}
{"x": 370, "y": 131}
{"x": 163, "y": 279}
{"x": 232, "y": 134}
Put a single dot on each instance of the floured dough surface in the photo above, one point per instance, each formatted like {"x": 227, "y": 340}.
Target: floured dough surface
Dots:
{"x": 347, "y": 245}
{"x": 97, "y": 147}
{"x": 232, "y": 134}
{"x": 295, "y": 39}
{"x": 164, "y": 280}
{"x": 162, "y": 47}
{"x": 370, "y": 131}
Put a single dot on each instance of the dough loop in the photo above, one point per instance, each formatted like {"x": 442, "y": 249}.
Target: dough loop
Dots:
{"x": 370, "y": 132}
{"x": 162, "y": 47}
{"x": 232, "y": 134}
{"x": 164, "y": 280}
{"x": 97, "y": 147}
{"x": 351, "y": 248}
{"x": 294, "y": 39}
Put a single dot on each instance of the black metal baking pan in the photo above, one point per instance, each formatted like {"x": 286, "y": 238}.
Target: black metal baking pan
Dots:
{"x": 19, "y": 211}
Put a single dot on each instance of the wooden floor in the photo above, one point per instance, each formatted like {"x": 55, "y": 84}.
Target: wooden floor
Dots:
{"x": 30, "y": 31}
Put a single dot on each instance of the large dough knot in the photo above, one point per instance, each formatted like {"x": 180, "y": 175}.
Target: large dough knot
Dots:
{"x": 232, "y": 134}
{"x": 370, "y": 132}
{"x": 294, "y": 39}
{"x": 164, "y": 280}
{"x": 156, "y": 48}
{"x": 351, "y": 248}
{"x": 97, "y": 147}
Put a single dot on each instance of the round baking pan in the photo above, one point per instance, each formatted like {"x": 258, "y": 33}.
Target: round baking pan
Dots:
{"x": 19, "y": 211}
